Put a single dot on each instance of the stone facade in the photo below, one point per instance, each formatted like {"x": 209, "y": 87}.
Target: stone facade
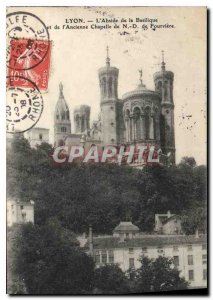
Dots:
{"x": 37, "y": 136}
{"x": 19, "y": 212}
{"x": 82, "y": 119}
{"x": 168, "y": 223}
{"x": 141, "y": 117}
{"x": 127, "y": 245}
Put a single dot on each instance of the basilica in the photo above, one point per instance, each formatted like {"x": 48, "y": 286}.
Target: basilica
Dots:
{"x": 139, "y": 117}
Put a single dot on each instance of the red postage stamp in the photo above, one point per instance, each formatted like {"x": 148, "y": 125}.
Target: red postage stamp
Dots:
{"x": 29, "y": 59}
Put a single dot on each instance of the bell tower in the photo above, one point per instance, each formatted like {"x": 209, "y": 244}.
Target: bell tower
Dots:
{"x": 82, "y": 118}
{"x": 164, "y": 86}
{"x": 108, "y": 79}
{"x": 62, "y": 124}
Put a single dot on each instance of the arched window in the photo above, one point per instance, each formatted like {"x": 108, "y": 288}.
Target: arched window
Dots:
{"x": 165, "y": 89}
{"x": 83, "y": 123}
{"x": 63, "y": 115}
{"x": 110, "y": 87}
{"x": 156, "y": 124}
{"x": 127, "y": 113}
{"x": 40, "y": 136}
{"x": 128, "y": 124}
{"x": 147, "y": 122}
{"x": 68, "y": 115}
{"x": 115, "y": 88}
{"x": 104, "y": 86}
{"x": 77, "y": 121}
{"x": 159, "y": 86}
{"x": 137, "y": 122}
{"x": 154, "y": 127}
{"x": 162, "y": 130}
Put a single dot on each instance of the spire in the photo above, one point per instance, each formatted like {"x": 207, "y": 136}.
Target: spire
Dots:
{"x": 61, "y": 89}
{"x": 141, "y": 74}
{"x": 61, "y": 104}
{"x": 141, "y": 85}
{"x": 107, "y": 59}
{"x": 163, "y": 64}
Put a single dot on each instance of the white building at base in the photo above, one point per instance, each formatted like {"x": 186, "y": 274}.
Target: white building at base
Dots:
{"x": 37, "y": 136}
{"x": 127, "y": 245}
{"x": 19, "y": 212}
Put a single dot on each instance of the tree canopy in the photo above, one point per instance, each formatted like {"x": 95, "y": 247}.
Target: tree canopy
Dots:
{"x": 156, "y": 276}
{"x": 103, "y": 194}
{"x": 47, "y": 259}
{"x": 110, "y": 279}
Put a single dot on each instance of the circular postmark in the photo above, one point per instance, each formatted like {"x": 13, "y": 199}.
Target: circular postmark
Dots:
{"x": 27, "y": 40}
{"x": 24, "y": 105}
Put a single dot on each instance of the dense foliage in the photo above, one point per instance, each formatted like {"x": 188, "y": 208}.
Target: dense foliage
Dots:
{"x": 110, "y": 279}
{"x": 156, "y": 275}
{"x": 103, "y": 194}
{"x": 153, "y": 276}
{"x": 47, "y": 260}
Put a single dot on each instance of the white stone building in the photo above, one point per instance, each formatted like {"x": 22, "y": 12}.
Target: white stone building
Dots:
{"x": 19, "y": 212}
{"x": 168, "y": 224}
{"x": 126, "y": 246}
{"x": 37, "y": 136}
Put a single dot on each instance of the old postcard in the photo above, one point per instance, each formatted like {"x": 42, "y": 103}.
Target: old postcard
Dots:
{"x": 106, "y": 150}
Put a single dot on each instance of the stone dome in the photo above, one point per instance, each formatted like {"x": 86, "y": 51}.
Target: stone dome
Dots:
{"x": 141, "y": 90}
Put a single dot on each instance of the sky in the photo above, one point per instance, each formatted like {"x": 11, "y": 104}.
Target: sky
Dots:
{"x": 77, "y": 55}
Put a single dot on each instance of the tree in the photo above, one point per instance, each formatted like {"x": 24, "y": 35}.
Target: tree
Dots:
{"x": 15, "y": 284}
{"x": 188, "y": 161}
{"x": 19, "y": 169}
{"x": 156, "y": 275}
{"x": 101, "y": 194}
{"x": 195, "y": 219}
{"x": 110, "y": 279}
{"x": 153, "y": 276}
{"x": 49, "y": 261}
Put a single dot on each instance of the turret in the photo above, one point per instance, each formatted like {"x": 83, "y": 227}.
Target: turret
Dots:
{"x": 108, "y": 78}
{"x": 62, "y": 123}
{"x": 164, "y": 86}
{"x": 82, "y": 118}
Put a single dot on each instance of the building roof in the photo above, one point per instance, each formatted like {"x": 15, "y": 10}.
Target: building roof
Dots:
{"x": 61, "y": 105}
{"x": 82, "y": 107}
{"x": 171, "y": 218}
{"x": 108, "y": 70}
{"x": 139, "y": 91}
{"x": 146, "y": 240}
{"x": 18, "y": 202}
{"x": 38, "y": 128}
{"x": 165, "y": 74}
{"x": 126, "y": 226}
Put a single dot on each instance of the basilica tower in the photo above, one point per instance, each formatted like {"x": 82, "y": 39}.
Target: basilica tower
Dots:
{"x": 62, "y": 124}
{"x": 108, "y": 78}
{"x": 82, "y": 118}
{"x": 164, "y": 86}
